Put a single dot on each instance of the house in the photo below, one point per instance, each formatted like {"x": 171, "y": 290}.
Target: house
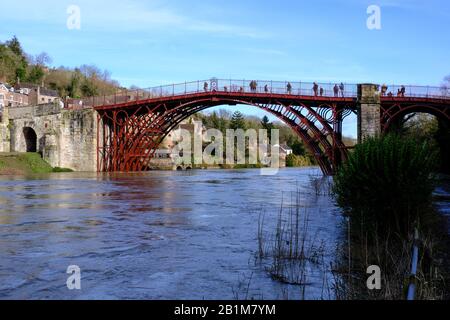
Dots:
{"x": 284, "y": 148}
{"x": 37, "y": 94}
{"x": 9, "y": 97}
{"x": 283, "y": 151}
{"x": 168, "y": 155}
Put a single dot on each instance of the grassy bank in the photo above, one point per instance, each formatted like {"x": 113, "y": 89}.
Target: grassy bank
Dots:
{"x": 25, "y": 163}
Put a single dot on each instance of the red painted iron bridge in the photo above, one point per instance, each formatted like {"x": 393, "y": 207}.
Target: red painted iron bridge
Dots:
{"x": 132, "y": 123}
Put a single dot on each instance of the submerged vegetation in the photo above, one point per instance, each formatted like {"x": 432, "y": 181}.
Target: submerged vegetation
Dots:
{"x": 385, "y": 193}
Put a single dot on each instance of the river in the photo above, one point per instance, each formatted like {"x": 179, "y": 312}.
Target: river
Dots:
{"x": 155, "y": 235}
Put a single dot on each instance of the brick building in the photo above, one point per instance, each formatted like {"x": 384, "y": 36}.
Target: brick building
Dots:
{"x": 9, "y": 97}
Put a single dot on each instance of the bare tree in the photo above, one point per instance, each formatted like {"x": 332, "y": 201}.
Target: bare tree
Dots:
{"x": 42, "y": 59}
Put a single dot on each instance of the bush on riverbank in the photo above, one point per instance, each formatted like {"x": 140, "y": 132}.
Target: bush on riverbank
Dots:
{"x": 293, "y": 160}
{"x": 385, "y": 188}
{"x": 387, "y": 181}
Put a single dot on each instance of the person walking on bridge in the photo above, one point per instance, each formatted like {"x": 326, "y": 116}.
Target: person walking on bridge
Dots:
{"x": 289, "y": 88}
{"x": 342, "y": 88}
{"x": 321, "y": 91}
{"x": 336, "y": 90}
{"x": 384, "y": 89}
{"x": 205, "y": 86}
{"x": 266, "y": 89}
{"x": 255, "y": 86}
{"x": 316, "y": 89}
{"x": 403, "y": 91}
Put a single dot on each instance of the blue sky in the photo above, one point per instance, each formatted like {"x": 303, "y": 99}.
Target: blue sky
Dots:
{"x": 147, "y": 43}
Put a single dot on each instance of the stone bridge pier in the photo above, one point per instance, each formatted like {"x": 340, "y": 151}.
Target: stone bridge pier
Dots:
{"x": 369, "y": 111}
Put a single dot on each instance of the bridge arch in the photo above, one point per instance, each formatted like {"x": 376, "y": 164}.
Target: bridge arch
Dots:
{"x": 30, "y": 137}
{"x": 131, "y": 136}
{"x": 393, "y": 118}
{"x": 393, "y": 114}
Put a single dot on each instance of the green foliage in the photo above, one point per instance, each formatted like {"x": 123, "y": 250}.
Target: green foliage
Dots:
{"x": 26, "y": 163}
{"x": 88, "y": 80}
{"x": 293, "y": 160}
{"x": 266, "y": 124}
{"x": 36, "y": 75}
{"x": 12, "y": 66}
{"x": 15, "y": 46}
{"x": 58, "y": 169}
{"x": 237, "y": 121}
{"x": 387, "y": 181}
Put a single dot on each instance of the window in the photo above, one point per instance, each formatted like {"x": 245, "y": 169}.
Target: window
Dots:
{"x": 2, "y": 97}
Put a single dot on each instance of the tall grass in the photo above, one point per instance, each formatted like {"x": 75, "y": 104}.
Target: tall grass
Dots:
{"x": 292, "y": 250}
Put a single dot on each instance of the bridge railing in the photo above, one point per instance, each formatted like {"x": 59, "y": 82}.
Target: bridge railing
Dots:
{"x": 223, "y": 86}
{"x": 419, "y": 91}
{"x": 261, "y": 87}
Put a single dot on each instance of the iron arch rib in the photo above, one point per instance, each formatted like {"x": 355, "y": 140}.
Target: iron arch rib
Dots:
{"x": 132, "y": 134}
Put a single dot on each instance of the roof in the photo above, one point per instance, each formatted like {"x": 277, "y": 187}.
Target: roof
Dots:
{"x": 49, "y": 92}
{"x": 285, "y": 147}
{"x": 7, "y": 86}
{"x": 43, "y": 91}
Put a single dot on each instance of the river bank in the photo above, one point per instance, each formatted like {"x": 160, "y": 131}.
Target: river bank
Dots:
{"x": 15, "y": 163}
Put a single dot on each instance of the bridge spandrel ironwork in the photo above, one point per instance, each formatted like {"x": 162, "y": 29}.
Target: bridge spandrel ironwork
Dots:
{"x": 132, "y": 123}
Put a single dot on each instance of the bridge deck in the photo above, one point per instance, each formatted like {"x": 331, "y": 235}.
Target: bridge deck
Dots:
{"x": 261, "y": 92}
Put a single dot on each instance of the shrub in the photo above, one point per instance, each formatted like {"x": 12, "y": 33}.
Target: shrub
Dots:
{"x": 387, "y": 181}
{"x": 293, "y": 160}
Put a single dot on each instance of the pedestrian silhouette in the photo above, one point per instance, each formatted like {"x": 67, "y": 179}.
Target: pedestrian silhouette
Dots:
{"x": 289, "y": 88}
{"x": 384, "y": 89}
{"x": 205, "y": 86}
{"x": 316, "y": 89}
{"x": 342, "y": 88}
{"x": 321, "y": 91}
{"x": 336, "y": 90}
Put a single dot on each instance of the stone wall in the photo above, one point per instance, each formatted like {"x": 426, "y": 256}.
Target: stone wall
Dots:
{"x": 65, "y": 138}
{"x": 369, "y": 108}
{"x": 4, "y": 131}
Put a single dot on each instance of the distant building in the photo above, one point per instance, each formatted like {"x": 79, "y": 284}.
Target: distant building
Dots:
{"x": 284, "y": 148}
{"x": 9, "y": 97}
{"x": 37, "y": 94}
{"x": 166, "y": 157}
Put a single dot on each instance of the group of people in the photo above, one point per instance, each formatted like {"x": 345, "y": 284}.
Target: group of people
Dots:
{"x": 339, "y": 90}
{"x": 400, "y": 92}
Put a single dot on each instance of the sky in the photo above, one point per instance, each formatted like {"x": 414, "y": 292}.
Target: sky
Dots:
{"x": 156, "y": 42}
